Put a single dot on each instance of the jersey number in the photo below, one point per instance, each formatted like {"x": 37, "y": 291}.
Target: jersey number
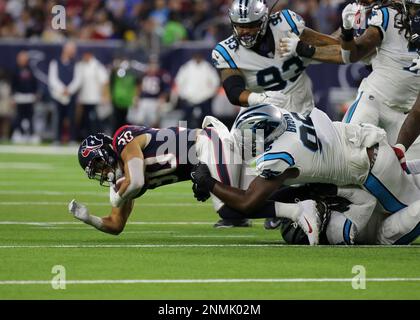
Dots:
{"x": 270, "y": 78}
{"x": 125, "y": 138}
{"x": 165, "y": 174}
{"x": 307, "y": 132}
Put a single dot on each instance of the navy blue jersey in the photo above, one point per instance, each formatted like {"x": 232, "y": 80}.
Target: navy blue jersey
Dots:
{"x": 168, "y": 156}
{"x": 154, "y": 84}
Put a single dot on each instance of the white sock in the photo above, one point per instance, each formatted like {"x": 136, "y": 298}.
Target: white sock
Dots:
{"x": 287, "y": 210}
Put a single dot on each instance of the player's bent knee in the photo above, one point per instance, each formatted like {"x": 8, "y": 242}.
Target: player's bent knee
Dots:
{"x": 228, "y": 213}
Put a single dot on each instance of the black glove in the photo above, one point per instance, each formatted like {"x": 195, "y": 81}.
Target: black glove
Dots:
{"x": 199, "y": 194}
{"x": 201, "y": 176}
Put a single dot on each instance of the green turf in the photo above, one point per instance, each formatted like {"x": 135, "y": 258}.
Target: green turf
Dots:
{"x": 161, "y": 248}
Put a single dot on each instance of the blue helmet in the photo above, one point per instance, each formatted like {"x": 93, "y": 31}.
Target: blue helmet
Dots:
{"x": 97, "y": 157}
{"x": 257, "y": 127}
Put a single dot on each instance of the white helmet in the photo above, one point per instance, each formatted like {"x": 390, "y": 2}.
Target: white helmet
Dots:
{"x": 248, "y": 14}
{"x": 257, "y": 127}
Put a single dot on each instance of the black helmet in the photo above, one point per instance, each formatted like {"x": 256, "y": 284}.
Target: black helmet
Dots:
{"x": 97, "y": 157}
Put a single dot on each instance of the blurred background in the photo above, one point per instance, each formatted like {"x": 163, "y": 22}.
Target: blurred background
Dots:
{"x": 131, "y": 61}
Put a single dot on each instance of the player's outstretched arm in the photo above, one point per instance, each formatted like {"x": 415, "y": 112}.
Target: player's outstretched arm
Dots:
{"x": 245, "y": 201}
{"x": 410, "y": 129}
{"x": 132, "y": 157}
{"x": 313, "y": 45}
{"x": 355, "y": 49}
{"x": 112, "y": 224}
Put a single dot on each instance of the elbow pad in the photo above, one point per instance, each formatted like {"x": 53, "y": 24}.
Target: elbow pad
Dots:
{"x": 234, "y": 86}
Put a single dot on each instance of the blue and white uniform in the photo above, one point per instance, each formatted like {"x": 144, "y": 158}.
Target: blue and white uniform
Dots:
{"x": 389, "y": 92}
{"x": 267, "y": 71}
{"x": 334, "y": 152}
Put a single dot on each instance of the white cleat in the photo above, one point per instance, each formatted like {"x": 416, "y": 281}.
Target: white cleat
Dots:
{"x": 309, "y": 220}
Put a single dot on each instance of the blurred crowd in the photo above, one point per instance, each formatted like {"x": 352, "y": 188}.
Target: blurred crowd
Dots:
{"x": 85, "y": 96}
{"x": 141, "y": 20}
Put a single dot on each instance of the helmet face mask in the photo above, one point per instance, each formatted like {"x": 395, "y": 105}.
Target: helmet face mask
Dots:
{"x": 249, "y": 22}
{"x": 98, "y": 159}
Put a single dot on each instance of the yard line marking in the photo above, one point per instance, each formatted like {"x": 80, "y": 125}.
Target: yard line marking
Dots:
{"x": 42, "y": 150}
{"x": 90, "y": 193}
{"x": 195, "y": 281}
{"x": 233, "y": 245}
{"x": 26, "y": 166}
{"x": 48, "y": 224}
{"x": 108, "y": 246}
{"x": 102, "y": 204}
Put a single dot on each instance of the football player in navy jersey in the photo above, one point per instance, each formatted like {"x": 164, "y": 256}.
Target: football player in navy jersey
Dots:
{"x": 139, "y": 158}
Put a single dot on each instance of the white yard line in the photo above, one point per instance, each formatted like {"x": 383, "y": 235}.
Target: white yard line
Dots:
{"x": 156, "y": 246}
{"x": 41, "y": 150}
{"x": 25, "y": 166}
{"x": 195, "y": 281}
{"x": 91, "y": 193}
{"x": 52, "y": 223}
{"x": 102, "y": 204}
{"x": 108, "y": 246}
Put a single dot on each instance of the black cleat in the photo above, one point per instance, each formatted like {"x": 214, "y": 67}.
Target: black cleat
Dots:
{"x": 231, "y": 223}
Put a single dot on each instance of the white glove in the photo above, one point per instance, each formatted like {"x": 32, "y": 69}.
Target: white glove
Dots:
{"x": 78, "y": 210}
{"x": 348, "y": 15}
{"x": 416, "y": 64}
{"x": 275, "y": 98}
{"x": 287, "y": 46}
{"x": 114, "y": 197}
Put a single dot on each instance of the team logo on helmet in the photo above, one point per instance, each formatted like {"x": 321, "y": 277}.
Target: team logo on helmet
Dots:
{"x": 90, "y": 145}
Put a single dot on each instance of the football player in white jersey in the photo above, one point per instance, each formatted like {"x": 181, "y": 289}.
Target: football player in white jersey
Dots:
{"x": 253, "y": 72}
{"x": 251, "y": 69}
{"x": 302, "y": 149}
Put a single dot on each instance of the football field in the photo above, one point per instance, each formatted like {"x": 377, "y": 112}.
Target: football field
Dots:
{"x": 169, "y": 249}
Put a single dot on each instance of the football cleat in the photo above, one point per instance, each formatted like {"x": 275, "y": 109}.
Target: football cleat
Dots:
{"x": 310, "y": 220}
{"x": 272, "y": 223}
{"x": 231, "y": 223}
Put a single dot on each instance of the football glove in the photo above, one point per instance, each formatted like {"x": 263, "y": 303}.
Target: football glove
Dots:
{"x": 199, "y": 194}
{"x": 78, "y": 210}
{"x": 201, "y": 177}
{"x": 348, "y": 15}
{"x": 275, "y": 98}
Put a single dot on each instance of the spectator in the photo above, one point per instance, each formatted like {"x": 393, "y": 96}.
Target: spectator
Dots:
{"x": 24, "y": 88}
{"x": 5, "y": 105}
{"x": 154, "y": 92}
{"x": 173, "y": 31}
{"x": 63, "y": 84}
{"x": 124, "y": 89}
{"x": 197, "y": 83}
{"x": 93, "y": 92}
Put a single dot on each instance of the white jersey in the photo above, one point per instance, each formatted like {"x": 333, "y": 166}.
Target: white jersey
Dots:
{"x": 323, "y": 151}
{"x": 263, "y": 73}
{"x": 391, "y": 80}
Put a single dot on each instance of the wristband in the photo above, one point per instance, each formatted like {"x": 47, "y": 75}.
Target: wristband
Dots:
{"x": 347, "y": 35}
{"x": 305, "y": 50}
